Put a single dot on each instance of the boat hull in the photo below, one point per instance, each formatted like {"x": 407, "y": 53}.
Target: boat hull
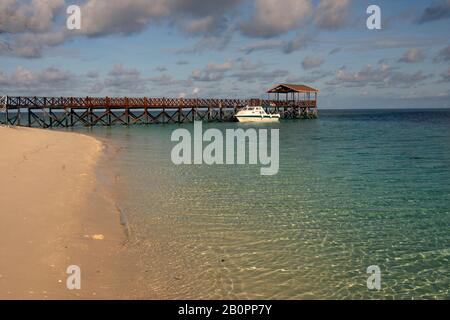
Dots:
{"x": 257, "y": 119}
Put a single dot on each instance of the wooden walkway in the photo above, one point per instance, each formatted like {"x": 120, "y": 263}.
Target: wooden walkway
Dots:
{"x": 48, "y": 112}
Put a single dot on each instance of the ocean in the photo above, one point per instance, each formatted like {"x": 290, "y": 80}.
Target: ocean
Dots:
{"x": 355, "y": 188}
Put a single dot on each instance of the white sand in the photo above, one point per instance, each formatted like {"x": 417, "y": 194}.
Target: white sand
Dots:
{"x": 51, "y": 205}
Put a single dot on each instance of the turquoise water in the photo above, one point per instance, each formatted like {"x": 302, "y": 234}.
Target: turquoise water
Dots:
{"x": 355, "y": 188}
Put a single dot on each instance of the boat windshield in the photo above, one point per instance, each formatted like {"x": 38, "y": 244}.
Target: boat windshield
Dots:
{"x": 252, "y": 109}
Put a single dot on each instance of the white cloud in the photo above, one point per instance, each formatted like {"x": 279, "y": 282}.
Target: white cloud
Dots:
{"x": 443, "y": 55}
{"x": 196, "y": 91}
{"x": 312, "y": 62}
{"x": 270, "y": 44}
{"x": 332, "y": 14}
{"x": 125, "y": 79}
{"x": 412, "y": 55}
{"x": 28, "y": 26}
{"x": 445, "y": 76}
{"x": 212, "y": 71}
{"x": 130, "y": 16}
{"x": 379, "y": 76}
{"x": 24, "y": 80}
{"x": 31, "y": 25}
{"x": 18, "y": 16}
{"x": 273, "y": 17}
{"x": 299, "y": 42}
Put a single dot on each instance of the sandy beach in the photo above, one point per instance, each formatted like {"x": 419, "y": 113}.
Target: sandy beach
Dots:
{"x": 54, "y": 213}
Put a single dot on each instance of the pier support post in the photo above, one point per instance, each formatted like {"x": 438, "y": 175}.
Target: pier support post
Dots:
{"x": 90, "y": 118}
{"x": 50, "y": 119}
{"x": 18, "y": 116}
{"x": 7, "y": 116}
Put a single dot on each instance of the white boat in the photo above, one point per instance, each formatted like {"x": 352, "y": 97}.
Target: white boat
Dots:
{"x": 256, "y": 114}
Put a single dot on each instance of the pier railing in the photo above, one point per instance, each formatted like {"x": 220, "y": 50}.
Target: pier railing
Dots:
{"x": 90, "y": 111}
{"x": 121, "y": 103}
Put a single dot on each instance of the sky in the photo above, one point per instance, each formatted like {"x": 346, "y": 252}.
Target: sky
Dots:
{"x": 229, "y": 48}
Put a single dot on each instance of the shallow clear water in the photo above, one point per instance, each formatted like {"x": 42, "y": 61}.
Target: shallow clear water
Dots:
{"x": 355, "y": 188}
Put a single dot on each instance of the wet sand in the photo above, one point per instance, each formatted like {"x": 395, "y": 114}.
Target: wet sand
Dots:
{"x": 54, "y": 213}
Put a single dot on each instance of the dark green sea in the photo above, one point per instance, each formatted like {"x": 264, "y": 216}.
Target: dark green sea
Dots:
{"x": 355, "y": 189}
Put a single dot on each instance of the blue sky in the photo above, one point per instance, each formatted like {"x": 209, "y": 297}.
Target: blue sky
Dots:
{"x": 233, "y": 48}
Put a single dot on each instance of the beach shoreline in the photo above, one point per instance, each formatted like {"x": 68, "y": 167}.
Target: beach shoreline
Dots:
{"x": 55, "y": 212}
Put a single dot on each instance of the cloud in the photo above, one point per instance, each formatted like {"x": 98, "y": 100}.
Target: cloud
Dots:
{"x": 406, "y": 80}
{"x": 18, "y": 16}
{"x": 121, "y": 79}
{"x": 242, "y": 69}
{"x": 265, "y": 76}
{"x": 311, "y": 78}
{"x": 166, "y": 80}
{"x": 206, "y": 25}
{"x": 30, "y": 26}
{"x": 380, "y": 76}
{"x": 312, "y": 62}
{"x": 27, "y": 27}
{"x": 248, "y": 65}
{"x": 368, "y": 75}
{"x": 216, "y": 67}
{"x": 299, "y": 42}
{"x": 209, "y": 42}
{"x": 120, "y": 17}
{"x": 443, "y": 55}
{"x": 271, "y": 44}
{"x": 400, "y": 41}
{"x": 28, "y": 81}
{"x": 198, "y": 75}
{"x": 212, "y": 72}
{"x": 335, "y": 50}
{"x": 129, "y": 80}
{"x": 436, "y": 12}
{"x": 31, "y": 45}
{"x": 92, "y": 74}
{"x": 445, "y": 76}
{"x": 161, "y": 69}
{"x": 131, "y": 16}
{"x": 95, "y": 88}
{"x": 332, "y": 14}
{"x": 412, "y": 56}
{"x": 272, "y": 18}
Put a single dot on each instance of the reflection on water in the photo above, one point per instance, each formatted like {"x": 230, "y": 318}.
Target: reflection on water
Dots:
{"x": 355, "y": 188}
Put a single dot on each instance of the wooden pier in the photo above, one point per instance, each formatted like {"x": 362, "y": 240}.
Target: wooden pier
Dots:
{"x": 50, "y": 112}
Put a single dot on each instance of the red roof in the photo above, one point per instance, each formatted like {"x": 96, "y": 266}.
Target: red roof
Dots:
{"x": 284, "y": 88}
